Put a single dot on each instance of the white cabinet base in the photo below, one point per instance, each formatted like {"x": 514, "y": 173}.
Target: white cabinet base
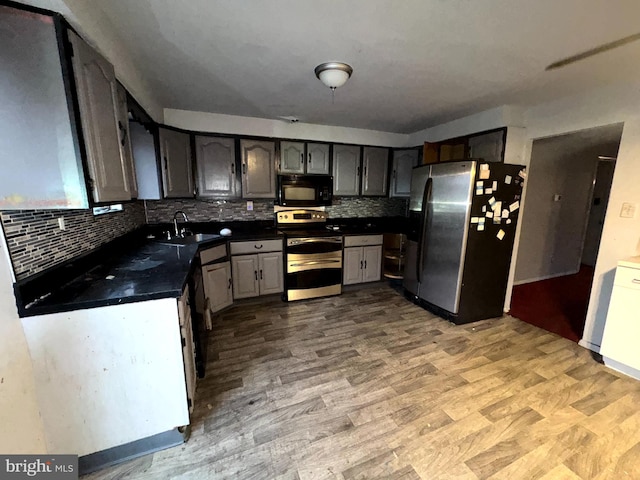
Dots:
{"x": 108, "y": 376}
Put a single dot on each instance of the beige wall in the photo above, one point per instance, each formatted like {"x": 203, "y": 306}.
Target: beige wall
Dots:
{"x": 233, "y": 124}
{"x": 21, "y": 428}
{"x": 620, "y": 236}
{"x": 98, "y": 31}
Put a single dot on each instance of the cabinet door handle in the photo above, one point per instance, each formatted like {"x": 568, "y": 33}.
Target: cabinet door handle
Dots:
{"x": 244, "y": 168}
{"x": 310, "y": 159}
{"x": 258, "y": 247}
{"x": 229, "y": 287}
{"x": 360, "y": 264}
{"x": 260, "y": 274}
{"x": 256, "y": 274}
{"x": 365, "y": 264}
{"x": 358, "y": 171}
{"x": 233, "y": 168}
{"x": 302, "y": 158}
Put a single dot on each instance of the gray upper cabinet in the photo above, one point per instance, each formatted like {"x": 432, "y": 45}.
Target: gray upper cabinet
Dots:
{"x": 98, "y": 101}
{"x": 292, "y": 157}
{"x": 375, "y": 166}
{"x": 125, "y": 140}
{"x": 294, "y": 160}
{"x": 487, "y": 146}
{"x": 318, "y": 158}
{"x": 216, "y": 167}
{"x": 403, "y": 163}
{"x": 143, "y": 145}
{"x": 175, "y": 157}
{"x": 346, "y": 170}
{"x": 258, "y": 169}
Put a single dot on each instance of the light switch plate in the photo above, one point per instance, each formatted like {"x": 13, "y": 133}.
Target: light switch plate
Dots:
{"x": 628, "y": 210}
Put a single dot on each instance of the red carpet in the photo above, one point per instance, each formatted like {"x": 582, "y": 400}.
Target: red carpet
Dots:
{"x": 558, "y": 305}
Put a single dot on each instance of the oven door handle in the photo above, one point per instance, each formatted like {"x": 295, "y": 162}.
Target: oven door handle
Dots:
{"x": 316, "y": 240}
{"x": 314, "y": 262}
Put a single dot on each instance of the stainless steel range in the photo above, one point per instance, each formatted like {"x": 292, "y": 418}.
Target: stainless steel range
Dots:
{"x": 313, "y": 255}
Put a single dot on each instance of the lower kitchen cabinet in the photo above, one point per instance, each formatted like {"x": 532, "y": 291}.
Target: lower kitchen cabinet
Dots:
{"x": 621, "y": 334}
{"x": 109, "y": 376}
{"x": 257, "y": 273}
{"x": 217, "y": 285}
{"x": 362, "y": 259}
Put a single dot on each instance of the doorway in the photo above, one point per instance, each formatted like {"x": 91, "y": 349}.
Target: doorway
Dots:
{"x": 569, "y": 180}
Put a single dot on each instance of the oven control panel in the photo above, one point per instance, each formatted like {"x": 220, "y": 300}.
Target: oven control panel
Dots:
{"x": 300, "y": 217}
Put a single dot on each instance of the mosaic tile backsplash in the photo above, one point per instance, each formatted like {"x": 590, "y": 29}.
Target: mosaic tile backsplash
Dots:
{"x": 36, "y": 242}
{"x": 161, "y": 211}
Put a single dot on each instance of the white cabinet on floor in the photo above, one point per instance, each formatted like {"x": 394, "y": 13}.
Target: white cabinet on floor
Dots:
{"x": 108, "y": 376}
{"x": 621, "y": 335}
{"x": 362, "y": 259}
{"x": 257, "y": 273}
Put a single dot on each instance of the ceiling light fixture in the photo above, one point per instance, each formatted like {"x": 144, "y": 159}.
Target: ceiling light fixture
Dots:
{"x": 333, "y": 74}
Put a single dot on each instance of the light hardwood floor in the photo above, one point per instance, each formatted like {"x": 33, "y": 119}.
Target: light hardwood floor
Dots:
{"x": 367, "y": 385}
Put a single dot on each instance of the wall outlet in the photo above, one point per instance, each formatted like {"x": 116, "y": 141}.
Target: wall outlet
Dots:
{"x": 61, "y": 224}
{"x": 249, "y": 205}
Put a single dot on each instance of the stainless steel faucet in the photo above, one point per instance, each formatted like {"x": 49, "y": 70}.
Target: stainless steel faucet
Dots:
{"x": 175, "y": 222}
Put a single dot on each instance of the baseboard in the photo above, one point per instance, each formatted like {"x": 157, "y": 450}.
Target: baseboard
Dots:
{"x": 589, "y": 346}
{"x": 128, "y": 451}
{"x": 545, "y": 277}
{"x": 619, "y": 367}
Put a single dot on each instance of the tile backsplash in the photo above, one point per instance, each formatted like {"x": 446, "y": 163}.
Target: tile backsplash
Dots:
{"x": 36, "y": 242}
{"x": 161, "y": 211}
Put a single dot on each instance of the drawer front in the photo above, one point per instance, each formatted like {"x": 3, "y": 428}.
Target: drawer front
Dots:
{"x": 259, "y": 246}
{"x": 627, "y": 277}
{"x": 212, "y": 254}
{"x": 362, "y": 240}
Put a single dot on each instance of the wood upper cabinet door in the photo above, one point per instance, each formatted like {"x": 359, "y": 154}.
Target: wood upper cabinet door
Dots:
{"x": 258, "y": 169}
{"x": 270, "y": 273}
{"x": 245, "y": 276}
{"x": 375, "y": 166}
{"x": 216, "y": 166}
{"x": 98, "y": 101}
{"x": 217, "y": 285}
{"x": 318, "y": 158}
{"x": 346, "y": 170}
{"x": 125, "y": 140}
{"x": 403, "y": 163}
{"x": 291, "y": 157}
{"x": 175, "y": 157}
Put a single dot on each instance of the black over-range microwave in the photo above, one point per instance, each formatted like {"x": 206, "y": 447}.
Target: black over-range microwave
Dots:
{"x": 304, "y": 190}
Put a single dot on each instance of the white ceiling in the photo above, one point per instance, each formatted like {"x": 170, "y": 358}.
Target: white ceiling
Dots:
{"x": 417, "y": 63}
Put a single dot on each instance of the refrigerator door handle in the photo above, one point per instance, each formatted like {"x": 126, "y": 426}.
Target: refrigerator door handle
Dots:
{"x": 426, "y": 200}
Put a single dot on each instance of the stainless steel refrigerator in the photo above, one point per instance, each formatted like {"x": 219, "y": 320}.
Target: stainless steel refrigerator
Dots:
{"x": 462, "y": 218}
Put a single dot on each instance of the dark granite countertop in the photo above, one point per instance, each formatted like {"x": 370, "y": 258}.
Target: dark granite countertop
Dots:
{"x": 138, "y": 267}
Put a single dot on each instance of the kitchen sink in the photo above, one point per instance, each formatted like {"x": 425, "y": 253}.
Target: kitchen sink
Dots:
{"x": 189, "y": 239}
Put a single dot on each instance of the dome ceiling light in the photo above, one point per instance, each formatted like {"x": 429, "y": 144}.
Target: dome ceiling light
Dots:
{"x": 333, "y": 74}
